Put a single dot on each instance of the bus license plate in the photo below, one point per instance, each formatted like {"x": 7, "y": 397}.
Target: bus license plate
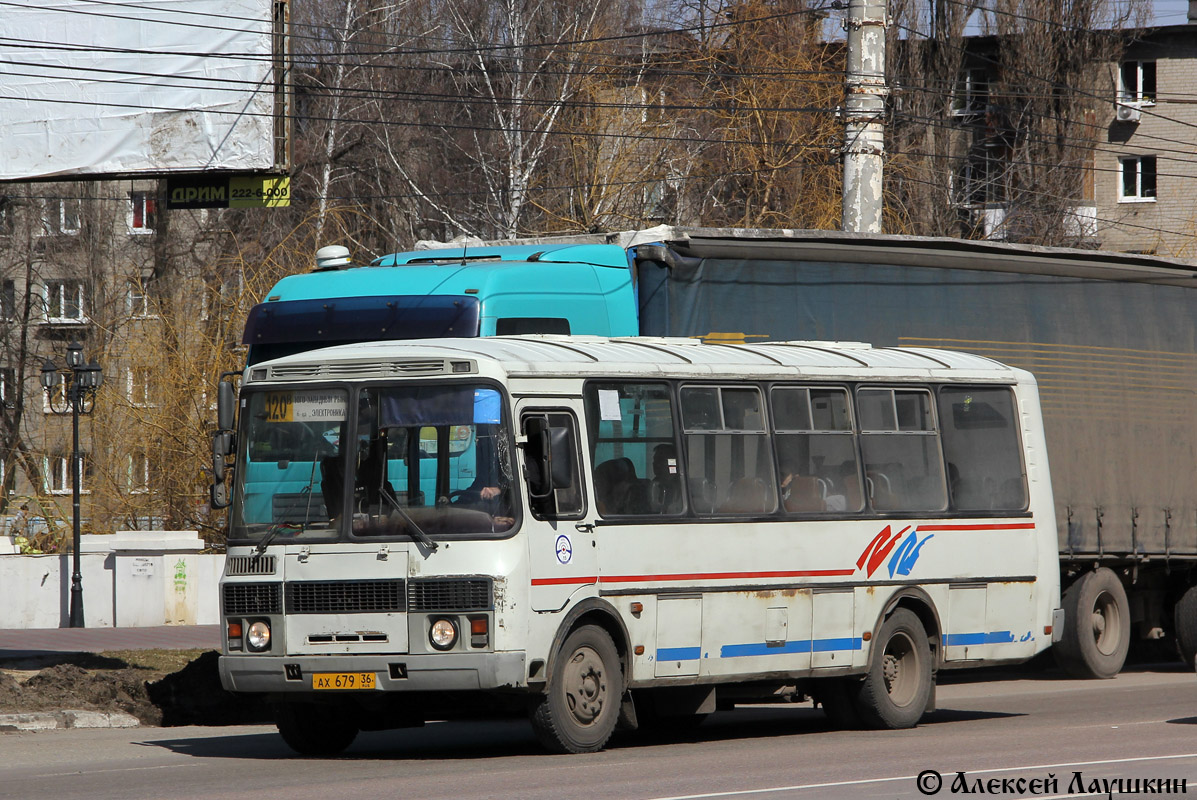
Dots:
{"x": 343, "y": 680}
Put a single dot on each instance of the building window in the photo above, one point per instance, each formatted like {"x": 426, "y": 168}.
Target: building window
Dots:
{"x": 139, "y": 386}
{"x": 971, "y": 95}
{"x": 140, "y": 306}
{"x": 60, "y": 215}
{"x": 58, "y": 474}
{"x": 8, "y": 299}
{"x": 139, "y": 473}
{"x": 143, "y": 212}
{"x": 8, "y": 387}
{"x": 1136, "y": 82}
{"x": 64, "y": 301}
{"x": 1138, "y": 179}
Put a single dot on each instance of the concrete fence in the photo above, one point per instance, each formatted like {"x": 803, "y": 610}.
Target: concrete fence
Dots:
{"x": 130, "y": 579}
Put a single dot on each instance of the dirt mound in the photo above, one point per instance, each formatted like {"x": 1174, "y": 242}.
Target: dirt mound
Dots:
{"x": 137, "y": 684}
{"x": 68, "y": 686}
{"x": 194, "y": 696}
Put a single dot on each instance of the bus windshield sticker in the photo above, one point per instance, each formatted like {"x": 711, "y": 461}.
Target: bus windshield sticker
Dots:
{"x": 308, "y": 406}
{"x": 609, "y": 404}
{"x": 487, "y": 408}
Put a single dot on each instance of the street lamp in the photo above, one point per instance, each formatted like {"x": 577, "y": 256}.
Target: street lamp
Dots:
{"x": 82, "y": 382}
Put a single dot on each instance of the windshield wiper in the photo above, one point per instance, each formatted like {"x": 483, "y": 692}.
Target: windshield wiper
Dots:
{"x": 275, "y": 530}
{"x": 416, "y": 532}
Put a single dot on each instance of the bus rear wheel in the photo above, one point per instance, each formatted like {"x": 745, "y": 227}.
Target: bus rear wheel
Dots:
{"x": 897, "y": 688}
{"x": 1096, "y": 626}
{"x": 314, "y": 729}
{"x": 579, "y": 711}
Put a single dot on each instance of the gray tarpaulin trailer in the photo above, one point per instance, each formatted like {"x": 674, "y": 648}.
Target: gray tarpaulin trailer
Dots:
{"x": 1111, "y": 338}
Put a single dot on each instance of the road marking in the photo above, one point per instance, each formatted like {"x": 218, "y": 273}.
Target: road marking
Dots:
{"x": 118, "y": 769}
{"x": 1029, "y": 767}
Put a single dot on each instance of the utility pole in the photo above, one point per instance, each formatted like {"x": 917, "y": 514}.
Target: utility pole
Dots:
{"x": 864, "y": 107}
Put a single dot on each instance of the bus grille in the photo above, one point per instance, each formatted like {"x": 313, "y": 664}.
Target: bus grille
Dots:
{"x": 344, "y": 597}
{"x": 455, "y": 594}
{"x": 249, "y": 565}
{"x": 253, "y": 598}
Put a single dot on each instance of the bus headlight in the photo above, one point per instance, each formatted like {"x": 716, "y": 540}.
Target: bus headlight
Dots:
{"x": 258, "y": 636}
{"x": 443, "y": 634}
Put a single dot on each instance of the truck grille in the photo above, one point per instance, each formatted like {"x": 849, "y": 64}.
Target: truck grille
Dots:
{"x": 249, "y": 565}
{"x": 344, "y": 597}
{"x": 253, "y": 598}
{"x": 453, "y": 594}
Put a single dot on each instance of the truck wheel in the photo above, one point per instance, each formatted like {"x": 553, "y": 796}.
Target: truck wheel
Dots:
{"x": 579, "y": 711}
{"x": 313, "y": 729}
{"x": 1184, "y": 618}
{"x": 1096, "y": 626}
{"x": 896, "y": 689}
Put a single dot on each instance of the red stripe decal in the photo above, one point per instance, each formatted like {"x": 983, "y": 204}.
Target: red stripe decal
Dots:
{"x": 986, "y": 526}
{"x": 723, "y": 576}
{"x": 564, "y": 581}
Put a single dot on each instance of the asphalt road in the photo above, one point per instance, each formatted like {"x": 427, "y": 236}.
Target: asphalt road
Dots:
{"x": 1033, "y": 728}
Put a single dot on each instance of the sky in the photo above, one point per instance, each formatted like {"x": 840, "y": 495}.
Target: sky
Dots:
{"x": 1170, "y": 12}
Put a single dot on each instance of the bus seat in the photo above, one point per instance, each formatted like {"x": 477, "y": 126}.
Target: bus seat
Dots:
{"x": 702, "y": 495}
{"x": 806, "y": 494}
{"x": 748, "y": 496}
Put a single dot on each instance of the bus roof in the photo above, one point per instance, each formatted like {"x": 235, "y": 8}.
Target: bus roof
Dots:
{"x": 593, "y": 356}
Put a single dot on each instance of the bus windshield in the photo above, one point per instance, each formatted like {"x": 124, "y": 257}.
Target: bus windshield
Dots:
{"x": 420, "y": 461}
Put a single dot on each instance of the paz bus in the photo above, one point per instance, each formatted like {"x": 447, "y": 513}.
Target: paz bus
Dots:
{"x": 628, "y": 531}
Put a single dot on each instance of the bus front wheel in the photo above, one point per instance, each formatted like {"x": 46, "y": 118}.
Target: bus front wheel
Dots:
{"x": 897, "y": 688}
{"x": 579, "y": 711}
{"x": 1096, "y": 626}
{"x": 314, "y": 729}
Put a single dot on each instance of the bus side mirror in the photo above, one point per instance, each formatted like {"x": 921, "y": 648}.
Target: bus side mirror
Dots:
{"x": 548, "y": 455}
{"x": 226, "y": 405}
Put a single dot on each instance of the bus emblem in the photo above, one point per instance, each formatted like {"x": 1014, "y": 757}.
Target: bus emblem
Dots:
{"x": 902, "y": 560}
{"x": 565, "y": 550}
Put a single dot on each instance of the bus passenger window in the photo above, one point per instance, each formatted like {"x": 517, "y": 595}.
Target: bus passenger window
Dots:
{"x": 633, "y": 450}
{"x": 981, "y": 444}
{"x": 816, "y": 450}
{"x": 903, "y": 461}
{"x": 729, "y": 461}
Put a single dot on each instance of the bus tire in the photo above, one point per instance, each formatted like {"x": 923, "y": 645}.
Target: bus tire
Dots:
{"x": 1096, "y": 626}
{"x": 896, "y": 689}
{"x": 837, "y": 697}
{"x": 1184, "y": 618}
{"x": 580, "y": 707}
{"x": 314, "y": 729}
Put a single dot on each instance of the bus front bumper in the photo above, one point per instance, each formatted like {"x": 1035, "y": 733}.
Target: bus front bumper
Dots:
{"x": 394, "y": 673}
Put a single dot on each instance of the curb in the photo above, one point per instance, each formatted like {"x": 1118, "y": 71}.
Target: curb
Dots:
{"x": 58, "y": 720}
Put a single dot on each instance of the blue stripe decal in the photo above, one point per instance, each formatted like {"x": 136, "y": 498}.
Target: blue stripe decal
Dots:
{"x": 994, "y": 637}
{"x": 678, "y": 653}
{"x": 799, "y": 646}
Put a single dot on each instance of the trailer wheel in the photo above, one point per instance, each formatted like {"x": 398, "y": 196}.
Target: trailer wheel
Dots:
{"x": 579, "y": 711}
{"x": 1096, "y": 626}
{"x": 896, "y": 689}
{"x": 1184, "y": 618}
{"x": 313, "y": 729}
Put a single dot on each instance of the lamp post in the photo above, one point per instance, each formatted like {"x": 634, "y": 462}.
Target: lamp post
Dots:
{"x": 82, "y": 382}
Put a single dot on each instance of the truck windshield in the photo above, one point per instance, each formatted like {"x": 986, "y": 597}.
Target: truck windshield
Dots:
{"x": 420, "y": 461}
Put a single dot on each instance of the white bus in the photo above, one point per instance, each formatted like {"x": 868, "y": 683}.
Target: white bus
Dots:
{"x": 609, "y": 533}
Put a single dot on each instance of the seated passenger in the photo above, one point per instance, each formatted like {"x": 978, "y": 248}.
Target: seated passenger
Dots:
{"x": 617, "y": 490}
{"x": 800, "y": 493}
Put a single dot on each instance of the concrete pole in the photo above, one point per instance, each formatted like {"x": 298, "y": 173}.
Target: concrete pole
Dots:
{"x": 864, "y": 109}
